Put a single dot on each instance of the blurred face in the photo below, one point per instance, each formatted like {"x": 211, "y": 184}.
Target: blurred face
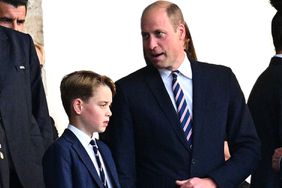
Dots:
{"x": 162, "y": 44}
{"x": 12, "y": 17}
{"x": 95, "y": 113}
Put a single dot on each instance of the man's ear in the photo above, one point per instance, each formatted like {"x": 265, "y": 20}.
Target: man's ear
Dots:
{"x": 182, "y": 31}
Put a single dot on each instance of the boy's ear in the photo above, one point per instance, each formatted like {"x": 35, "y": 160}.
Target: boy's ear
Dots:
{"x": 77, "y": 106}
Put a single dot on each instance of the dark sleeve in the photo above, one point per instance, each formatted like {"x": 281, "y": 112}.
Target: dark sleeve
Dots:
{"x": 242, "y": 139}
{"x": 39, "y": 103}
{"x": 57, "y": 167}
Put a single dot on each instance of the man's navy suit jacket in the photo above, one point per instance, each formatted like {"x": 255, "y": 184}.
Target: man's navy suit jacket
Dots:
{"x": 265, "y": 103}
{"x": 24, "y": 114}
{"x": 149, "y": 147}
{"x": 66, "y": 164}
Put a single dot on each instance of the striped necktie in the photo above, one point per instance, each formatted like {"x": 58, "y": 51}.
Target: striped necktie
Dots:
{"x": 182, "y": 108}
{"x": 101, "y": 170}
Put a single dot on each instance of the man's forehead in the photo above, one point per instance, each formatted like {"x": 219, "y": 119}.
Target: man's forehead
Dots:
{"x": 11, "y": 11}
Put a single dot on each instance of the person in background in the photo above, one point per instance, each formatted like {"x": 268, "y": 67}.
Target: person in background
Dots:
{"x": 71, "y": 161}
{"x": 265, "y": 103}
{"x": 276, "y": 162}
{"x": 12, "y": 15}
{"x": 25, "y": 127}
{"x": 171, "y": 118}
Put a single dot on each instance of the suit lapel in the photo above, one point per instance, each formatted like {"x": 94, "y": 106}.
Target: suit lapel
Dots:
{"x": 83, "y": 155}
{"x": 108, "y": 161}
{"x": 199, "y": 97}
{"x": 157, "y": 87}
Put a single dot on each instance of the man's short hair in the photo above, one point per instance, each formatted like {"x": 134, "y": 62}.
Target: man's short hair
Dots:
{"x": 276, "y": 25}
{"x": 16, "y": 3}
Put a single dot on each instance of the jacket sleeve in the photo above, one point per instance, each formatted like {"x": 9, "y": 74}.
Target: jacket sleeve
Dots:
{"x": 39, "y": 103}
{"x": 242, "y": 138}
{"x": 57, "y": 167}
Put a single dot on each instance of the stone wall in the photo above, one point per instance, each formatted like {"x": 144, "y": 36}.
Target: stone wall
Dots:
{"x": 34, "y": 21}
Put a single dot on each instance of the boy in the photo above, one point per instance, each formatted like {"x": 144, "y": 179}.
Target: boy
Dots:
{"x": 77, "y": 159}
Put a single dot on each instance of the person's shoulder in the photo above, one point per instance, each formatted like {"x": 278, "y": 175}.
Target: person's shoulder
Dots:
{"x": 275, "y": 66}
{"x": 60, "y": 148}
{"x": 212, "y": 70}
{"x": 7, "y": 32}
{"x": 210, "y": 66}
{"x": 271, "y": 77}
{"x": 61, "y": 144}
{"x": 134, "y": 75}
{"x": 15, "y": 38}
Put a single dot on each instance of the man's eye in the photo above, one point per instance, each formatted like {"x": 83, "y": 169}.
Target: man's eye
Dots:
{"x": 160, "y": 34}
{"x": 145, "y": 36}
{"x": 20, "y": 22}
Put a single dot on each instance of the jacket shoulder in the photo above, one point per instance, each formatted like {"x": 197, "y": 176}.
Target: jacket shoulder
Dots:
{"x": 210, "y": 67}
{"x": 15, "y": 37}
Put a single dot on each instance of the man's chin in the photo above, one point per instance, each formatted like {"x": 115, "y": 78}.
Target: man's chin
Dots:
{"x": 159, "y": 65}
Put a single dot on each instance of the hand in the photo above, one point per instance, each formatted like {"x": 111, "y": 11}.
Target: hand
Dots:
{"x": 196, "y": 183}
{"x": 276, "y": 159}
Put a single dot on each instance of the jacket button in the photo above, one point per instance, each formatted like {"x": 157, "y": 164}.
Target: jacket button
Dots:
{"x": 193, "y": 161}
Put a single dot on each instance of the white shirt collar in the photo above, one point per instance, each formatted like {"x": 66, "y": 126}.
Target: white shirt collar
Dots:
{"x": 278, "y": 55}
{"x": 82, "y": 137}
{"x": 184, "y": 69}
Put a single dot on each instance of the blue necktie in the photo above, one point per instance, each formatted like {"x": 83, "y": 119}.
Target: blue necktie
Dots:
{"x": 182, "y": 108}
{"x": 102, "y": 173}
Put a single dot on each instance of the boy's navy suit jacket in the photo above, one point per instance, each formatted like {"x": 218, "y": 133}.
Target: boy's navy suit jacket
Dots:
{"x": 67, "y": 164}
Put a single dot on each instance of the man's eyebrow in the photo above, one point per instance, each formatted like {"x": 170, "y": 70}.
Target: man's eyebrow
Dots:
{"x": 5, "y": 19}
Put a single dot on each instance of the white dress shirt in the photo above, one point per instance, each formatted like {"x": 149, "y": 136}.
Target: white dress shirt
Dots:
{"x": 85, "y": 141}
{"x": 185, "y": 80}
{"x": 278, "y": 55}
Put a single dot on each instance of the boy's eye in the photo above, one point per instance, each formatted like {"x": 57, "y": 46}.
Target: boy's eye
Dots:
{"x": 103, "y": 105}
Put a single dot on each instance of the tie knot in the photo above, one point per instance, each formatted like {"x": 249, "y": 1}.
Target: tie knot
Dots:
{"x": 175, "y": 74}
{"x": 93, "y": 143}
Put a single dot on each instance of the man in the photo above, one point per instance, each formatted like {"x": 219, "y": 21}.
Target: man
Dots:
{"x": 149, "y": 146}
{"x": 25, "y": 127}
{"x": 12, "y": 15}
{"x": 265, "y": 103}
